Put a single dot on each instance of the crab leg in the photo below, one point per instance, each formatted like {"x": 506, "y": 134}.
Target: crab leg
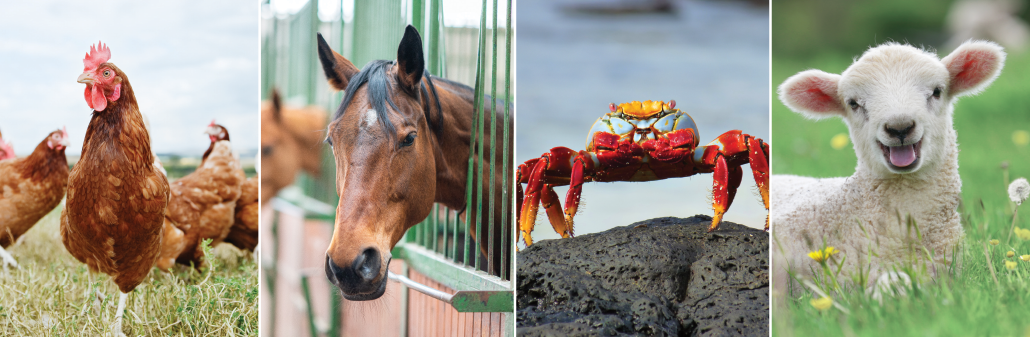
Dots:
{"x": 531, "y": 204}
{"x": 724, "y": 188}
{"x": 574, "y": 193}
{"x": 758, "y": 157}
{"x": 549, "y": 200}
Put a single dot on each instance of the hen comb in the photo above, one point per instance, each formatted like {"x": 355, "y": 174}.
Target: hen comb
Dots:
{"x": 212, "y": 123}
{"x": 98, "y": 54}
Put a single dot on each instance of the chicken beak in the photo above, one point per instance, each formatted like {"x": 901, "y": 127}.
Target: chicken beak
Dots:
{"x": 86, "y": 78}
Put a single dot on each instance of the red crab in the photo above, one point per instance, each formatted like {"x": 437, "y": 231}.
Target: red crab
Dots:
{"x": 639, "y": 142}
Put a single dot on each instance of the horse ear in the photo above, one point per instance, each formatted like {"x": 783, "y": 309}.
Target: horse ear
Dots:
{"x": 409, "y": 59}
{"x": 277, "y": 105}
{"x": 338, "y": 70}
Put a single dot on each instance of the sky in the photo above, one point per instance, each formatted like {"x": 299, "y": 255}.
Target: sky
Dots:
{"x": 458, "y": 13}
{"x": 188, "y": 61}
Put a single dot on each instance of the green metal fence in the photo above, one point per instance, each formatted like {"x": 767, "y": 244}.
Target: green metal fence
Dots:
{"x": 442, "y": 246}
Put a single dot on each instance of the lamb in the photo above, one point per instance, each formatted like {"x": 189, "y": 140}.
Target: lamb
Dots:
{"x": 897, "y": 101}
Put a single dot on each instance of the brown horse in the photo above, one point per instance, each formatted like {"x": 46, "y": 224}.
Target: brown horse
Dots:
{"x": 401, "y": 142}
{"x": 291, "y": 140}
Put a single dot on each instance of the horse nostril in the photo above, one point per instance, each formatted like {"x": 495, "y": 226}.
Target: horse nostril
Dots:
{"x": 899, "y": 133}
{"x": 367, "y": 264}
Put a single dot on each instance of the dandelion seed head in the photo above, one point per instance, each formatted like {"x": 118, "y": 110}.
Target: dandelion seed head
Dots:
{"x": 1019, "y": 190}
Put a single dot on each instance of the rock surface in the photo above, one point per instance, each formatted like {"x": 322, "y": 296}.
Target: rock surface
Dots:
{"x": 661, "y": 277}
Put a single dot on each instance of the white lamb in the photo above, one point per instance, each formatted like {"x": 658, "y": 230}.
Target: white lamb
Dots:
{"x": 897, "y": 101}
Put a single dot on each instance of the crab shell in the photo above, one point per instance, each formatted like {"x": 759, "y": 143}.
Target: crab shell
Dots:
{"x": 641, "y": 122}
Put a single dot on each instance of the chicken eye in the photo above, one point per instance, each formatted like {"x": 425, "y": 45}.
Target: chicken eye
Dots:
{"x": 107, "y": 73}
{"x": 408, "y": 140}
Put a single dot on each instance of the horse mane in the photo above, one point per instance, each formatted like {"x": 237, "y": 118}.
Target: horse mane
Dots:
{"x": 374, "y": 74}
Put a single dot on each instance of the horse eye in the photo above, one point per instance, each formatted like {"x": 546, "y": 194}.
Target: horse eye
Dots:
{"x": 409, "y": 139}
{"x": 936, "y": 92}
{"x": 853, "y": 104}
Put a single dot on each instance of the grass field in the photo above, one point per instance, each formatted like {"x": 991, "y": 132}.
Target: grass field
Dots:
{"x": 46, "y": 296}
{"x": 991, "y": 130}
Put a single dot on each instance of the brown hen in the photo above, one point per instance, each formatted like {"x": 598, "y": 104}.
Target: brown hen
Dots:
{"x": 116, "y": 197}
{"x": 203, "y": 203}
{"x": 30, "y": 188}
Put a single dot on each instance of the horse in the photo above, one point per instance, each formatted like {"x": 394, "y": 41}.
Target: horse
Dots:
{"x": 291, "y": 140}
{"x": 400, "y": 139}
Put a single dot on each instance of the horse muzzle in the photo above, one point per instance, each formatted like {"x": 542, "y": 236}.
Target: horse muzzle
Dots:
{"x": 363, "y": 279}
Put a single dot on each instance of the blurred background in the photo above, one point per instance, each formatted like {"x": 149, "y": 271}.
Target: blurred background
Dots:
{"x": 575, "y": 57}
{"x": 189, "y": 62}
{"x": 827, "y": 35}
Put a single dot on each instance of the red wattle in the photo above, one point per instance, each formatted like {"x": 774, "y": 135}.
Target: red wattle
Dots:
{"x": 99, "y": 101}
{"x": 89, "y": 99}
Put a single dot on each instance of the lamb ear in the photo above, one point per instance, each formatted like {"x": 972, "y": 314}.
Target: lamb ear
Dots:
{"x": 812, "y": 93}
{"x": 338, "y": 70}
{"x": 973, "y": 66}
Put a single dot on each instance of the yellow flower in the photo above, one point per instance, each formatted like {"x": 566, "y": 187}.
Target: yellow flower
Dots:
{"x": 823, "y": 254}
{"x": 822, "y": 303}
{"x": 1010, "y": 254}
{"x": 1021, "y": 137}
{"x": 839, "y": 141}
{"x": 1022, "y": 233}
{"x": 994, "y": 242}
{"x": 1025, "y": 258}
{"x": 1010, "y": 265}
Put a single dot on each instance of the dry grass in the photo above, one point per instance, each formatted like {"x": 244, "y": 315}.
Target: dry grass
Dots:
{"x": 47, "y": 295}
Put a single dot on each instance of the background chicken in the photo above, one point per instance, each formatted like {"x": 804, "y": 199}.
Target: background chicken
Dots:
{"x": 113, "y": 216}
{"x": 203, "y": 203}
{"x": 6, "y": 150}
{"x": 244, "y": 231}
{"x": 30, "y": 188}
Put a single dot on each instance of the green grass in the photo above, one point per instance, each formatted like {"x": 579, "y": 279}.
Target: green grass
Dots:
{"x": 46, "y": 296}
{"x": 967, "y": 301}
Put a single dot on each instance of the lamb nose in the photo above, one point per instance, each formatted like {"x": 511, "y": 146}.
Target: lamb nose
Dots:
{"x": 900, "y": 134}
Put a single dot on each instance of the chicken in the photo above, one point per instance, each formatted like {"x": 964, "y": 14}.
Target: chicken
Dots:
{"x": 6, "y": 150}
{"x": 114, "y": 211}
{"x": 244, "y": 231}
{"x": 30, "y": 188}
{"x": 203, "y": 203}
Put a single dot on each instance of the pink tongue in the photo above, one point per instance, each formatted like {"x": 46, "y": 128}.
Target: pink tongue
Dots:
{"x": 902, "y": 156}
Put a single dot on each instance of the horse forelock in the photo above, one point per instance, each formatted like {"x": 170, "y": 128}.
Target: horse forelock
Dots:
{"x": 374, "y": 75}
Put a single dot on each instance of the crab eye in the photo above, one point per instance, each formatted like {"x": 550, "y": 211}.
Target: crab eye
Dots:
{"x": 853, "y": 104}
{"x": 936, "y": 92}
{"x": 409, "y": 139}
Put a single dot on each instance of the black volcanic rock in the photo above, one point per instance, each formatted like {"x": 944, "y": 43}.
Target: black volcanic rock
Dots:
{"x": 660, "y": 277}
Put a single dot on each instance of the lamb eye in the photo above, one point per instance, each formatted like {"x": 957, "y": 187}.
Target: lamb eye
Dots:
{"x": 936, "y": 92}
{"x": 409, "y": 139}
{"x": 853, "y": 104}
